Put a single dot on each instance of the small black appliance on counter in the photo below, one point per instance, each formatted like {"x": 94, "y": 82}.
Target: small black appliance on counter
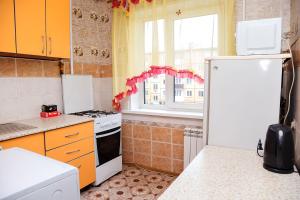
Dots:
{"x": 279, "y": 149}
{"x": 49, "y": 108}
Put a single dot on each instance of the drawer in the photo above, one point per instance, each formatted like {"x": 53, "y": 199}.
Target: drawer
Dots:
{"x": 63, "y": 136}
{"x": 34, "y": 143}
{"x": 71, "y": 151}
{"x": 87, "y": 169}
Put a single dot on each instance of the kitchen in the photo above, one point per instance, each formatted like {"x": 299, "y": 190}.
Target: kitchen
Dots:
{"x": 43, "y": 44}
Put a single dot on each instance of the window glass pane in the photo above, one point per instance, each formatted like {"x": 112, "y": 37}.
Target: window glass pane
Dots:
{"x": 194, "y": 39}
{"x": 154, "y": 88}
{"x": 148, "y": 37}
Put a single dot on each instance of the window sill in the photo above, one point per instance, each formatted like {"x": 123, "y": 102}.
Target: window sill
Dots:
{"x": 165, "y": 113}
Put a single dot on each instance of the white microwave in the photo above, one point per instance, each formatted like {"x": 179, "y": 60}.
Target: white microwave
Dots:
{"x": 259, "y": 37}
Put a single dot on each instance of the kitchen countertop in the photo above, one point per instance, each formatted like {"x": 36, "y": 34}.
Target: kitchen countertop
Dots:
{"x": 45, "y": 124}
{"x": 225, "y": 173}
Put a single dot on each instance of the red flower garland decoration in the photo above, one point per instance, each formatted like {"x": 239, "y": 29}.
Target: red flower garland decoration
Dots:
{"x": 126, "y": 4}
{"x": 154, "y": 71}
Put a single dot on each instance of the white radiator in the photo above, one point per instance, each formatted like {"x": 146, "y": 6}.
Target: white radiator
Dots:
{"x": 193, "y": 143}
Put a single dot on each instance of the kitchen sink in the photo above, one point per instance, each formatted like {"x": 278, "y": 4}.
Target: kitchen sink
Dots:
{"x": 14, "y": 127}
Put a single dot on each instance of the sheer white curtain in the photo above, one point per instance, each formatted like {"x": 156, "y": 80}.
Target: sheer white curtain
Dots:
{"x": 177, "y": 33}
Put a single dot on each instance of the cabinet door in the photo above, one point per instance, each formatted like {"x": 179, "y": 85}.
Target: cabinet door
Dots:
{"x": 87, "y": 169}
{"x": 30, "y": 27}
{"x": 58, "y": 28}
{"x": 7, "y": 26}
{"x": 34, "y": 143}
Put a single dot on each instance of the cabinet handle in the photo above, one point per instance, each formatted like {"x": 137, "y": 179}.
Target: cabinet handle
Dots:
{"x": 50, "y": 45}
{"x": 71, "y": 135}
{"x": 43, "y": 44}
{"x": 70, "y": 152}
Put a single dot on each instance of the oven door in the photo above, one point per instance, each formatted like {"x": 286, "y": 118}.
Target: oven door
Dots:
{"x": 108, "y": 145}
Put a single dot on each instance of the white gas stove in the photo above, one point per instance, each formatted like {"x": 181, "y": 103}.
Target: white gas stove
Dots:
{"x": 108, "y": 147}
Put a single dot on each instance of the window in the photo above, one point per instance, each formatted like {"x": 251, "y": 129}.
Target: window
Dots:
{"x": 200, "y": 93}
{"x": 177, "y": 80}
{"x": 190, "y": 49}
{"x": 189, "y": 41}
{"x": 178, "y": 93}
{"x": 188, "y": 81}
{"x": 189, "y": 93}
{"x": 157, "y": 82}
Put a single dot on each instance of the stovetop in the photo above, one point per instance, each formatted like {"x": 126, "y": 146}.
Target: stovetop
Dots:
{"x": 103, "y": 120}
{"x": 95, "y": 113}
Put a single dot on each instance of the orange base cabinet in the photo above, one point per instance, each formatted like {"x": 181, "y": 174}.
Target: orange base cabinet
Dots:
{"x": 75, "y": 146}
{"x": 34, "y": 143}
{"x": 87, "y": 169}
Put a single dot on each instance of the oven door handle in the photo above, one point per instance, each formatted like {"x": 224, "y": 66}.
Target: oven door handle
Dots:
{"x": 107, "y": 134}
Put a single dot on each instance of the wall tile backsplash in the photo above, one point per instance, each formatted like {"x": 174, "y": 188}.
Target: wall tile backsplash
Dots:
{"x": 21, "y": 98}
{"x": 21, "y": 67}
{"x": 154, "y": 145}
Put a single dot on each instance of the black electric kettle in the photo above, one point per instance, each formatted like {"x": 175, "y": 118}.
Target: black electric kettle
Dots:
{"x": 279, "y": 149}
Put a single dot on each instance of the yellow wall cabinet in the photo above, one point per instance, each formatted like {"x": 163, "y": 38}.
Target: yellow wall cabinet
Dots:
{"x": 7, "y": 27}
{"x": 43, "y": 27}
{"x": 58, "y": 28}
{"x": 33, "y": 143}
{"x": 30, "y": 27}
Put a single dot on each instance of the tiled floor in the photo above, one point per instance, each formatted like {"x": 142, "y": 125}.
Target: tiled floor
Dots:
{"x": 133, "y": 183}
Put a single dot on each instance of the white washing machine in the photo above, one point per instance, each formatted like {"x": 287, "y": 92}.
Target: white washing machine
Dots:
{"x": 25, "y": 175}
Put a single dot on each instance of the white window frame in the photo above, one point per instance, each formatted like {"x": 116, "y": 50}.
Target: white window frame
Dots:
{"x": 170, "y": 103}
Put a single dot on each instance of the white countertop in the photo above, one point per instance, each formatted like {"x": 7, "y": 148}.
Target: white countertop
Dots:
{"x": 45, "y": 124}
{"x": 224, "y": 173}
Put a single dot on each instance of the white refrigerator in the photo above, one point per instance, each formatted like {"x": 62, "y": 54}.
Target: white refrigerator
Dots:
{"x": 242, "y": 98}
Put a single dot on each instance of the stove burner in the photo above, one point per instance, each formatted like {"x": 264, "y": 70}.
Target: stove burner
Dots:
{"x": 95, "y": 113}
